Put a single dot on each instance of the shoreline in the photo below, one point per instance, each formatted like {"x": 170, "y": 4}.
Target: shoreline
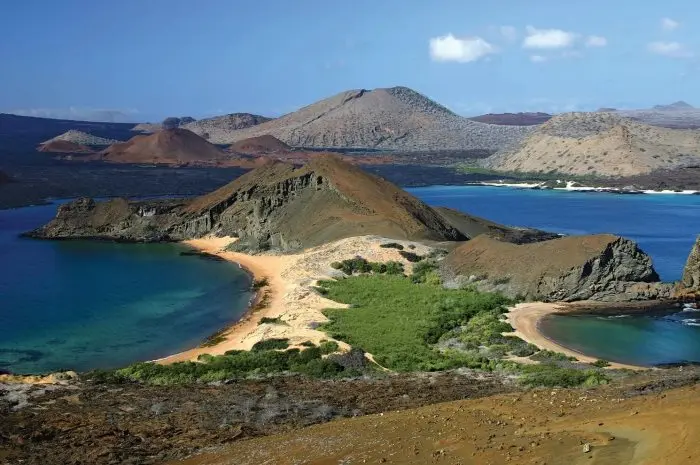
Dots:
{"x": 584, "y": 189}
{"x": 525, "y": 318}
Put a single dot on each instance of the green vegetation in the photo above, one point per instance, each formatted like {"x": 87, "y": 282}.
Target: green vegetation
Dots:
{"x": 272, "y": 321}
{"x": 410, "y": 256}
{"x": 425, "y": 271}
{"x": 391, "y": 245}
{"x": 234, "y": 364}
{"x": 328, "y": 347}
{"x": 552, "y": 375}
{"x": 398, "y": 321}
{"x": 215, "y": 339}
{"x": 270, "y": 344}
{"x": 361, "y": 265}
{"x": 307, "y": 344}
{"x": 546, "y": 356}
{"x": 601, "y": 363}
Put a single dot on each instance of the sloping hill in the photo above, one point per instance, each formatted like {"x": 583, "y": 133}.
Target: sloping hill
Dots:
{"x": 275, "y": 206}
{"x": 602, "y": 144}
{"x": 393, "y": 118}
{"x": 218, "y": 128}
{"x": 81, "y": 138}
{"x": 598, "y": 267}
{"x": 63, "y": 146}
{"x": 261, "y": 144}
{"x": 168, "y": 146}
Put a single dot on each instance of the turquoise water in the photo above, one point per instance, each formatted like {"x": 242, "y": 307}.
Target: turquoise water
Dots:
{"x": 637, "y": 340}
{"x": 83, "y": 304}
{"x": 665, "y": 226}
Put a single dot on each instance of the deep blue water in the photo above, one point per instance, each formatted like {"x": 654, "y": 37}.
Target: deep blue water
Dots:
{"x": 85, "y": 304}
{"x": 665, "y": 226}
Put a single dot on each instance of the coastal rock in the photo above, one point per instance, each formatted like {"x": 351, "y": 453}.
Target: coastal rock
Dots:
{"x": 282, "y": 207}
{"x": 691, "y": 272}
{"x": 599, "y": 267}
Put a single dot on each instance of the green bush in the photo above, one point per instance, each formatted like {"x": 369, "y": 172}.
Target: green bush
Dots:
{"x": 391, "y": 245}
{"x": 328, "y": 347}
{"x": 525, "y": 349}
{"x": 552, "y": 375}
{"x": 410, "y": 256}
{"x": 601, "y": 363}
{"x": 260, "y": 283}
{"x": 394, "y": 268}
{"x": 422, "y": 269}
{"x": 273, "y": 321}
{"x": 551, "y": 356}
{"x": 271, "y": 344}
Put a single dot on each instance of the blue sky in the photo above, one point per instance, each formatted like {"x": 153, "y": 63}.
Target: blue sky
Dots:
{"x": 146, "y": 59}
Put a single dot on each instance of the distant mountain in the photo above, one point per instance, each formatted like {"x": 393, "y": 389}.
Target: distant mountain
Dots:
{"x": 42, "y": 128}
{"x": 260, "y": 144}
{"x": 168, "y": 123}
{"x": 216, "y": 129}
{"x": 676, "y": 106}
{"x": 63, "y": 146}
{"x": 82, "y": 138}
{"x": 168, "y": 146}
{"x": 513, "y": 119}
{"x": 393, "y": 118}
{"x": 603, "y": 144}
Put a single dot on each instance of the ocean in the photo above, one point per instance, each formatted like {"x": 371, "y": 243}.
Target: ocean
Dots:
{"x": 82, "y": 305}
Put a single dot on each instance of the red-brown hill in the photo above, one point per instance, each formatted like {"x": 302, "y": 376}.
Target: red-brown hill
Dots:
{"x": 260, "y": 144}
{"x": 175, "y": 146}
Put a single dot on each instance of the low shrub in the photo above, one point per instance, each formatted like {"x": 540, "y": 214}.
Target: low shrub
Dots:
{"x": 411, "y": 256}
{"x": 391, "y": 245}
{"x": 601, "y": 363}
{"x": 272, "y": 321}
{"x": 270, "y": 344}
{"x": 422, "y": 269}
{"x": 551, "y": 356}
{"x": 394, "y": 268}
{"x": 328, "y": 347}
{"x": 260, "y": 283}
{"x": 552, "y": 375}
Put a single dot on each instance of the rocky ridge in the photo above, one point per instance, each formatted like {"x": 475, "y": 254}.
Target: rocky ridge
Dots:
{"x": 600, "y": 144}
{"x": 690, "y": 282}
{"x": 277, "y": 206}
{"x": 600, "y": 267}
{"x": 394, "y": 118}
{"x": 218, "y": 128}
{"x": 81, "y": 138}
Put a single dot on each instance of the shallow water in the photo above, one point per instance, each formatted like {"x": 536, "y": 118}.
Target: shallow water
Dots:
{"x": 86, "y": 304}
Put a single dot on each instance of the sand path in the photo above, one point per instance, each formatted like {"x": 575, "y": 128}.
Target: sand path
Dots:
{"x": 525, "y": 319}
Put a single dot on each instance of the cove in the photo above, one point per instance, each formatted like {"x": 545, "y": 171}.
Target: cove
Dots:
{"x": 83, "y": 305}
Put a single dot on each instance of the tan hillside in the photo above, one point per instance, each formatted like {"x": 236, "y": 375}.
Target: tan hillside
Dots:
{"x": 602, "y": 144}
{"x": 63, "y": 146}
{"x": 391, "y": 118}
{"x": 168, "y": 146}
{"x": 261, "y": 144}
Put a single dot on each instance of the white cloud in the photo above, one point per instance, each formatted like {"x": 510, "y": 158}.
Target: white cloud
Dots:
{"x": 548, "y": 38}
{"x": 667, "y": 24}
{"x": 596, "y": 41}
{"x": 450, "y": 48}
{"x": 509, "y": 33}
{"x": 538, "y": 58}
{"x": 669, "y": 49}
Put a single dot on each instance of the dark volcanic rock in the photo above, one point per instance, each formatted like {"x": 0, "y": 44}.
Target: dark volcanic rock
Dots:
{"x": 5, "y": 178}
{"x": 691, "y": 272}
{"x": 600, "y": 267}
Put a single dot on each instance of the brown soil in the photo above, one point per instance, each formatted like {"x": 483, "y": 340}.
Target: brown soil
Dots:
{"x": 63, "y": 146}
{"x": 261, "y": 144}
{"x": 553, "y": 427}
{"x": 170, "y": 146}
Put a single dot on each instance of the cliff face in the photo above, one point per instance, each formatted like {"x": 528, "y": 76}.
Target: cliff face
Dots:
{"x": 600, "y": 267}
{"x": 691, "y": 272}
{"x": 282, "y": 207}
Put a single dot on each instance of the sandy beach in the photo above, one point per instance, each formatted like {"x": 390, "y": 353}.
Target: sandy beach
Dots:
{"x": 525, "y": 318}
{"x": 290, "y": 294}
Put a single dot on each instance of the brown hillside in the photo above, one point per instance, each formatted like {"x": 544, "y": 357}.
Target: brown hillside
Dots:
{"x": 567, "y": 268}
{"x": 169, "y": 146}
{"x": 63, "y": 146}
{"x": 260, "y": 144}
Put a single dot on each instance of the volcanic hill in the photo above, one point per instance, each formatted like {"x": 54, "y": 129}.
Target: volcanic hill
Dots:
{"x": 600, "y": 144}
{"x": 63, "y": 146}
{"x": 276, "y": 206}
{"x": 80, "y": 138}
{"x": 218, "y": 128}
{"x": 392, "y": 118}
{"x": 261, "y": 144}
{"x": 596, "y": 267}
{"x": 175, "y": 146}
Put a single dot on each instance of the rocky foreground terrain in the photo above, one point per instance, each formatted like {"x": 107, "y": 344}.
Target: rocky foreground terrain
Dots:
{"x": 600, "y": 144}
{"x": 396, "y": 118}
